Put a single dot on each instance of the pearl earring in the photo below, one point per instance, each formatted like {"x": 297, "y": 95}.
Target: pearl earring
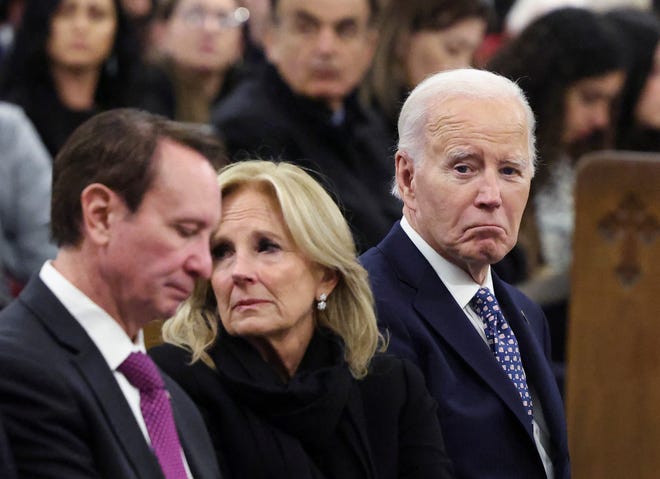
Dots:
{"x": 321, "y": 305}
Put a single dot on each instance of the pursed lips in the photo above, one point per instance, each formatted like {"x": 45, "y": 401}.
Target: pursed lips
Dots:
{"x": 246, "y": 303}
{"x": 484, "y": 227}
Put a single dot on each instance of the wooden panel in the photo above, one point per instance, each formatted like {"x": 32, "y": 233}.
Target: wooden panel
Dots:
{"x": 613, "y": 367}
{"x": 152, "y": 335}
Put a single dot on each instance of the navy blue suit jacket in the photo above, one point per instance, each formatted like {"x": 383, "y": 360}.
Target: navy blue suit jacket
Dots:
{"x": 63, "y": 411}
{"x": 486, "y": 431}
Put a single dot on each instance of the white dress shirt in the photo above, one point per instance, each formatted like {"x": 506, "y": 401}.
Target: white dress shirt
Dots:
{"x": 463, "y": 288}
{"x": 106, "y": 333}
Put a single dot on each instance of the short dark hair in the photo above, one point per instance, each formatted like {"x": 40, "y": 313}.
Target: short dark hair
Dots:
{"x": 116, "y": 148}
{"x": 374, "y": 9}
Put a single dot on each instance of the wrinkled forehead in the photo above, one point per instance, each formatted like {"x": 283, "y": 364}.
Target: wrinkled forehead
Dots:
{"x": 495, "y": 119}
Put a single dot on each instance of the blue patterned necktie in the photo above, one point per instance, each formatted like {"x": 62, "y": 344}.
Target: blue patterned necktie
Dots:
{"x": 503, "y": 343}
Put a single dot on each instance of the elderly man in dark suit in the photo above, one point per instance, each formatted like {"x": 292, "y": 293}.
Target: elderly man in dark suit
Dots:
{"x": 463, "y": 170}
{"x": 135, "y": 200}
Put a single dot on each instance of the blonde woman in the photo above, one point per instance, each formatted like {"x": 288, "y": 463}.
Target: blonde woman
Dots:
{"x": 279, "y": 349}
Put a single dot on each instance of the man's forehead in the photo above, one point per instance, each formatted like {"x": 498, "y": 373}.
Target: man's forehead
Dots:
{"x": 470, "y": 120}
{"x": 459, "y": 114}
{"x": 330, "y": 11}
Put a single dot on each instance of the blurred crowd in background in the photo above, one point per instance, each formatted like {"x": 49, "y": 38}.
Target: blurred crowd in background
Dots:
{"x": 324, "y": 91}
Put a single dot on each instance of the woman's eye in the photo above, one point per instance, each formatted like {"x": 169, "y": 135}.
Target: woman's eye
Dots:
{"x": 266, "y": 245}
{"x": 219, "y": 251}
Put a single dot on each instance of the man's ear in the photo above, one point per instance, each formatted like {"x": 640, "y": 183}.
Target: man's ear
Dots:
{"x": 405, "y": 178}
{"x": 100, "y": 206}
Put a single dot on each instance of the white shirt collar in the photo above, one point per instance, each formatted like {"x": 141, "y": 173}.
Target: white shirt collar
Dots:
{"x": 459, "y": 283}
{"x": 106, "y": 333}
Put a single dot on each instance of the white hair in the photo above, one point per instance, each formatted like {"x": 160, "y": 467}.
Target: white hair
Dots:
{"x": 444, "y": 86}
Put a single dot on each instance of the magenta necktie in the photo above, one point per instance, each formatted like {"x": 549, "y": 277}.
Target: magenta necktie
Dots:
{"x": 503, "y": 343}
{"x": 142, "y": 373}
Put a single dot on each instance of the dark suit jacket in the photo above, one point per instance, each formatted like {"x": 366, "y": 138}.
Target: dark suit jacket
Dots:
{"x": 64, "y": 413}
{"x": 481, "y": 415}
{"x": 398, "y": 435}
{"x": 263, "y": 117}
{"x": 7, "y": 468}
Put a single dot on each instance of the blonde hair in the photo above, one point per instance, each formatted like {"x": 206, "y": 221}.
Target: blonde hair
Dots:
{"x": 321, "y": 233}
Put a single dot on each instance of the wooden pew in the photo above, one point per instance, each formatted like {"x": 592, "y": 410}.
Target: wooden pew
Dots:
{"x": 613, "y": 366}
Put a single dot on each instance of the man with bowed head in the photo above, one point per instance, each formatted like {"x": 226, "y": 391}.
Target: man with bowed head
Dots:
{"x": 134, "y": 202}
{"x": 464, "y": 165}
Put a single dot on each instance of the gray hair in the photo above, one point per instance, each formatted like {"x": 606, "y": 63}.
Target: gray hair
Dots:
{"x": 446, "y": 85}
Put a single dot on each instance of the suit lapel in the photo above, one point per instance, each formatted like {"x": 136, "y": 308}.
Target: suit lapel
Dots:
{"x": 87, "y": 359}
{"x": 437, "y": 307}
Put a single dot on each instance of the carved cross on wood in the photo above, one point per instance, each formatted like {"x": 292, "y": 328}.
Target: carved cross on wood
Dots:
{"x": 632, "y": 223}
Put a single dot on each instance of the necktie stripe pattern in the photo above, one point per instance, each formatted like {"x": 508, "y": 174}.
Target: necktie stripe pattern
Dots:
{"x": 503, "y": 343}
{"x": 156, "y": 409}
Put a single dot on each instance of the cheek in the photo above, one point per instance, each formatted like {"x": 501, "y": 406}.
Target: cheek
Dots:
{"x": 220, "y": 287}
{"x": 229, "y": 48}
{"x": 106, "y": 38}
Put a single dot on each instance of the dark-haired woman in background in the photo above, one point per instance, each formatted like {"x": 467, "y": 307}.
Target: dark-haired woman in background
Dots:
{"x": 200, "y": 46}
{"x": 638, "y": 122}
{"x": 70, "y": 60}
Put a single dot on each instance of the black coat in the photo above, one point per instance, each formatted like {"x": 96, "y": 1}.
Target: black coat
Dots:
{"x": 64, "y": 413}
{"x": 322, "y": 424}
{"x": 354, "y": 159}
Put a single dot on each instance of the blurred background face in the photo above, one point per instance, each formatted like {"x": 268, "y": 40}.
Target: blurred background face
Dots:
{"x": 323, "y": 48}
{"x": 588, "y": 105}
{"x": 82, "y": 33}
{"x": 205, "y": 34}
{"x": 431, "y": 51}
{"x": 647, "y": 112}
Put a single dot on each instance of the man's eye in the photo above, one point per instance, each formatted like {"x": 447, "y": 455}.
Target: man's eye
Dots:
{"x": 186, "y": 231}
{"x": 510, "y": 171}
{"x": 462, "y": 168}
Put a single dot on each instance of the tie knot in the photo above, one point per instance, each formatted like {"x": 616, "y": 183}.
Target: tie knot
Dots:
{"x": 141, "y": 372}
{"x": 485, "y": 305}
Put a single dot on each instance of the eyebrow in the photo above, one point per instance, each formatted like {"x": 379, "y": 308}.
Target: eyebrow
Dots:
{"x": 310, "y": 17}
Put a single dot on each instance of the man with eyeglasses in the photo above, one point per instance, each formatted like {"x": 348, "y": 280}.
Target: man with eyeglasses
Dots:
{"x": 303, "y": 107}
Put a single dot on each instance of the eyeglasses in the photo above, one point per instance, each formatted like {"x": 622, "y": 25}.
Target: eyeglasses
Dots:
{"x": 196, "y": 17}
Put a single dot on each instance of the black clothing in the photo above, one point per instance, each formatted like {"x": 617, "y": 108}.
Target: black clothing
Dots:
{"x": 351, "y": 157}
{"x": 322, "y": 424}
{"x": 53, "y": 121}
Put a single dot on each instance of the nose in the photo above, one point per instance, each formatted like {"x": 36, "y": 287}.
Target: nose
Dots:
{"x": 489, "y": 194}
{"x": 327, "y": 40}
{"x": 600, "y": 116}
{"x": 200, "y": 262}
{"x": 80, "y": 20}
{"x": 242, "y": 268}
{"x": 210, "y": 22}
